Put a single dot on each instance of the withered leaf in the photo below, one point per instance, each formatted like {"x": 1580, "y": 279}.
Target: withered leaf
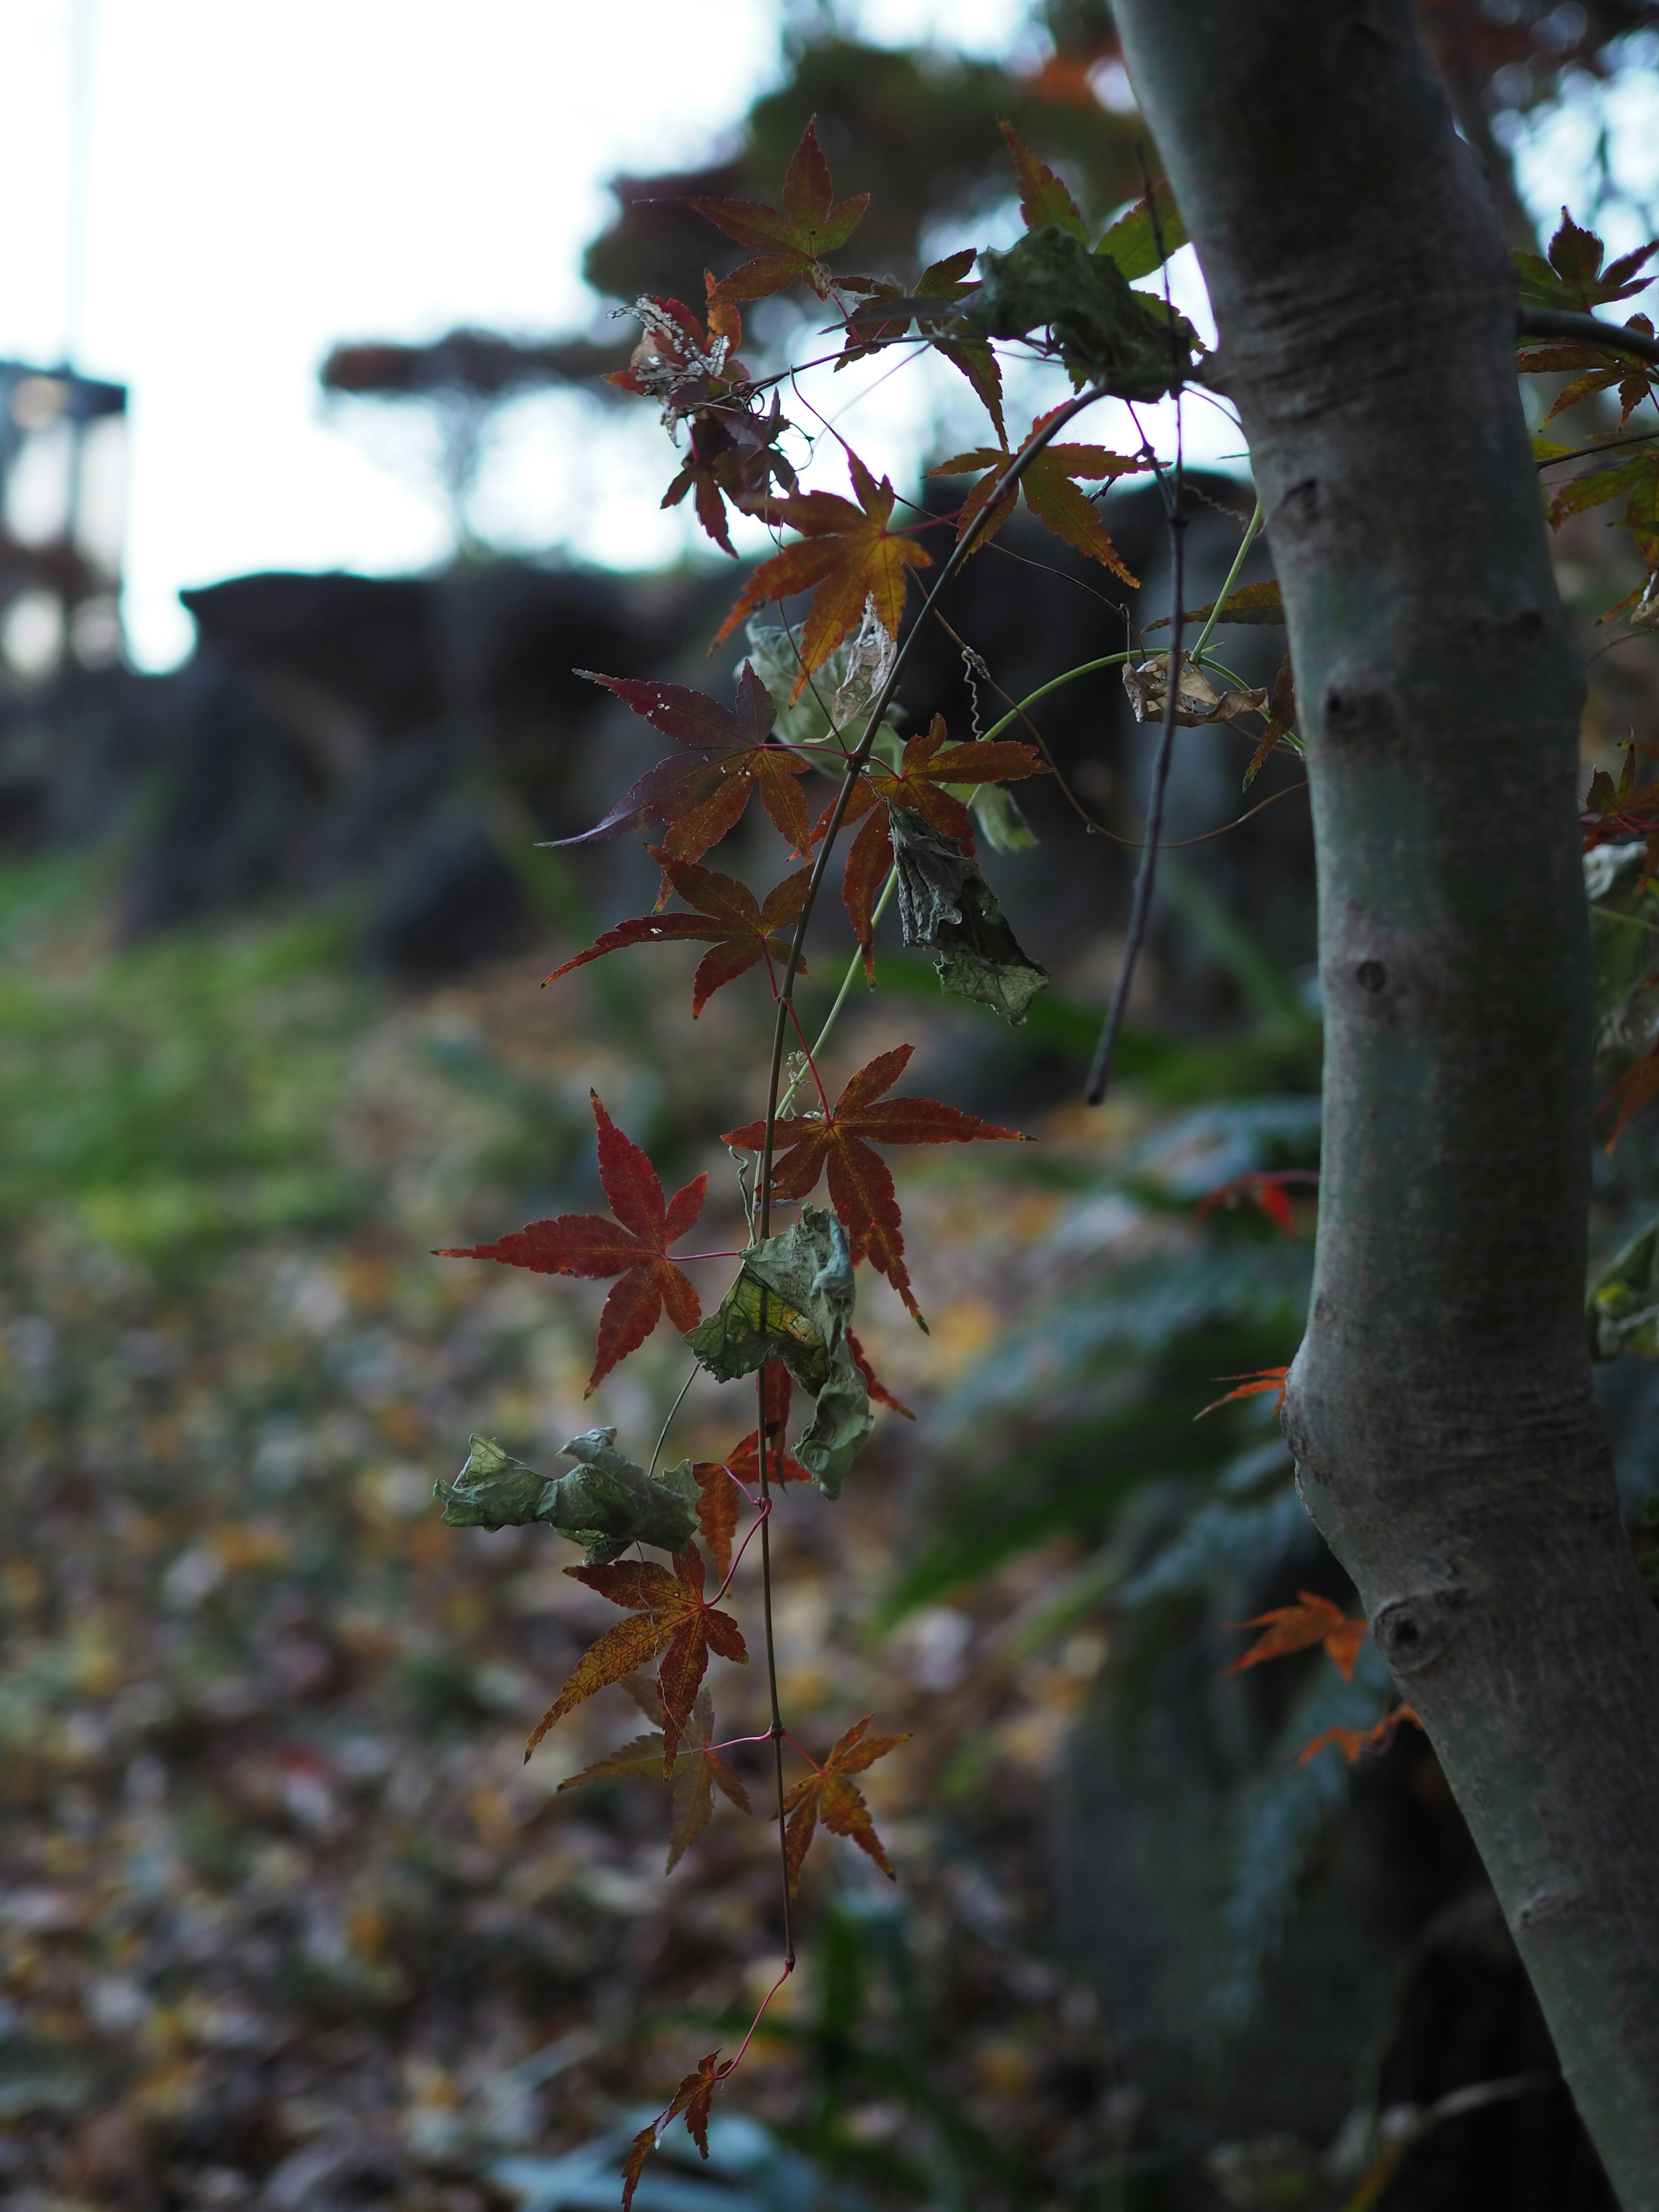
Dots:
{"x": 947, "y": 908}
{"x": 830, "y": 1795}
{"x": 608, "y": 1503}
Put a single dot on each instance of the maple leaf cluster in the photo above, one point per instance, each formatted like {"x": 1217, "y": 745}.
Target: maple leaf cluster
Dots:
{"x": 855, "y": 562}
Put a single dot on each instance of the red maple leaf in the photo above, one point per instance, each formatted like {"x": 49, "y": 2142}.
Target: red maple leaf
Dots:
{"x": 1255, "y": 1385}
{"x": 861, "y": 1186}
{"x": 846, "y": 556}
{"x": 1351, "y": 1741}
{"x": 869, "y": 330}
{"x": 1049, "y": 492}
{"x": 830, "y": 1793}
{"x": 676, "y": 1625}
{"x": 719, "y": 1497}
{"x": 694, "y": 2097}
{"x": 701, "y": 793}
{"x": 872, "y": 1383}
{"x": 1297, "y": 1627}
{"x": 1264, "y": 1188}
{"x": 927, "y": 765}
{"x": 793, "y": 240}
{"x": 634, "y": 1246}
{"x": 1042, "y": 198}
{"x": 742, "y": 930}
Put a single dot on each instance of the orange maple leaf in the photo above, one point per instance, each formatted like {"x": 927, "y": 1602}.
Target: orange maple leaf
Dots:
{"x": 1297, "y": 1627}
{"x": 742, "y": 930}
{"x": 1255, "y": 1385}
{"x": 675, "y": 1625}
{"x": 830, "y": 1795}
{"x": 846, "y": 554}
{"x": 1351, "y": 1741}
{"x": 698, "y": 1770}
{"x": 1049, "y": 492}
{"x": 693, "y": 2097}
{"x": 634, "y": 1246}
{"x": 861, "y": 1186}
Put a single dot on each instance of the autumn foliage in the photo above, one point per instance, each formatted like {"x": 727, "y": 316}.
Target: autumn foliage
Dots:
{"x": 859, "y": 564}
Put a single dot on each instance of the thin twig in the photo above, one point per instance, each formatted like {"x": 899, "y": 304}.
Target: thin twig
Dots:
{"x": 964, "y": 545}
{"x": 690, "y": 1379}
{"x": 1589, "y": 330}
{"x": 1140, "y": 907}
{"x": 1141, "y": 904}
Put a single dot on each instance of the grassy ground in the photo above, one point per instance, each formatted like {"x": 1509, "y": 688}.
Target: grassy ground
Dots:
{"x": 284, "y": 1916}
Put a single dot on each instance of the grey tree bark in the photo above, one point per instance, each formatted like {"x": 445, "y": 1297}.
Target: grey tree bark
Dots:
{"x": 1440, "y": 1409}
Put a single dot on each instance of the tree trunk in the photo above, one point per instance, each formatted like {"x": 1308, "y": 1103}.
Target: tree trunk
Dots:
{"x": 1440, "y": 1409}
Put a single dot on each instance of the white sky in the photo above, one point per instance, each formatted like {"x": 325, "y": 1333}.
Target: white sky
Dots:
{"x": 263, "y": 182}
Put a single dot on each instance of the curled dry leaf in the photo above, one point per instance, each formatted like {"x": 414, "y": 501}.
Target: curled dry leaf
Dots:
{"x": 1197, "y": 701}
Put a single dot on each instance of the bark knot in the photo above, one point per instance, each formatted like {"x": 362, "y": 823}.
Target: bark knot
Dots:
{"x": 1414, "y": 1630}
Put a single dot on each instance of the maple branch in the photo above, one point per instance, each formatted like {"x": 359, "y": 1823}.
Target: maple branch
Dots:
{"x": 1562, "y": 323}
{"x": 1141, "y": 905}
{"x": 762, "y": 1516}
{"x": 855, "y": 967}
{"x": 663, "y": 1438}
{"x": 764, "y": 1524}
{"x": 1602, "y": 445}
{"x": 964, "y": 545}
{"x": 1250, "y": 530}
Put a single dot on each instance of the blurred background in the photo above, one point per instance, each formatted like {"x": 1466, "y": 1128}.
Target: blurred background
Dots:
{"x": 313, "y": 497}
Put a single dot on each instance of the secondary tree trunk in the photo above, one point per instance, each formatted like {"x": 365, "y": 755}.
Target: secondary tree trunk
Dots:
{"x": 1440, "y": 1409}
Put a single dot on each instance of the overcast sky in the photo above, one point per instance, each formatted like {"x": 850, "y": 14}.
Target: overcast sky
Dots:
{"x": 263, "y": 182}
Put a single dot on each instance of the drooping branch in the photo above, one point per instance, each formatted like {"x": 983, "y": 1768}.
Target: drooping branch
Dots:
{"x": 1440, "y": 1410}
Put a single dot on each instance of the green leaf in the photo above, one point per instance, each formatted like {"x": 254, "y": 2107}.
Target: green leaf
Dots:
{"x": 1106, "y": 333}
{"x": 607, "y": 1503}
{"x": 1135, "y": 239}
{"x": 1622, "y": 1314}
{"x": 998, "y": 819}
{"x": 793, "y": 1302}
{"x": 946, "y": 907}
{"x": 1251, "y": 603}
